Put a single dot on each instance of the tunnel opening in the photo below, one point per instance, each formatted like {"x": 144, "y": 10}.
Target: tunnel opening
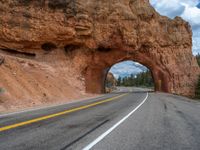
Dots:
{"x": 97, "y": 72}
{"x": 128, "y": 76}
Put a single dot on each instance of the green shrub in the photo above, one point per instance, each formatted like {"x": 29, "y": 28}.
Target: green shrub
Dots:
{"x": 197, "y": 92}
{"x": 198, "y": 59}
{"x": 1, "y": 90}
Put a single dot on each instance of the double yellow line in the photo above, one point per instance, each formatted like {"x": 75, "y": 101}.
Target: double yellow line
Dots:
{"x": 8, "y": 127}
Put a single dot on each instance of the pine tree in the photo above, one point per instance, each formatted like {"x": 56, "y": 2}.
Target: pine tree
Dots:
{"x": 141, "y": 79}
{"x": 119, "y": 81}
{"x": 198, "y": 59}
{"x": 197, "y": 92}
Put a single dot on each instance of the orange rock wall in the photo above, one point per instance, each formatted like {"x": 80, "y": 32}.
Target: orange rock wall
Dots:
{"x": 79, "y": 40}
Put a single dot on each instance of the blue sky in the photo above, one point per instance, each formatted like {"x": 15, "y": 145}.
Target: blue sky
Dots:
{"x": 189, "y": 10}
{"x": 127, "y": 68}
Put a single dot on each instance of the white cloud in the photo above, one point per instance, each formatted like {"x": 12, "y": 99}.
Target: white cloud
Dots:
{"x": 192, "y": 15}
{"x": 170, "y": 8}
{"x": 184, "y": 8}
{"x": 196, "y": 45}
{"x": 196, "y": 41}
{"x": 127, "y": 68}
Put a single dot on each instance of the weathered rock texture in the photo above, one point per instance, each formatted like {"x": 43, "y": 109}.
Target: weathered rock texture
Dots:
{"x": 82, "y": 39}
{"x": 110, "y": 83}
{"x": 1, "y": 60}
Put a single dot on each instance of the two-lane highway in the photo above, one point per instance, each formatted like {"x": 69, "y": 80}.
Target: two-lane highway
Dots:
{"x": 123, "y": 120}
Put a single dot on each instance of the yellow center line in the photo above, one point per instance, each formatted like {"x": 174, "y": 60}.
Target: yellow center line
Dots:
{"x": 8, "y": 127}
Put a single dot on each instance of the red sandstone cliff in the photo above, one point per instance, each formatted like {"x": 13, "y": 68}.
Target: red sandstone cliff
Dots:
{"x": 54, "y": 49}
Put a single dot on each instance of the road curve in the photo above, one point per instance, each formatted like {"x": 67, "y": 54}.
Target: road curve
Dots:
{"x": 124, "y": 120}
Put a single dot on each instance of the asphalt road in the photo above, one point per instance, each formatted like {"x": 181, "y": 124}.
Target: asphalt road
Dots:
{"x": 130, "y": 119}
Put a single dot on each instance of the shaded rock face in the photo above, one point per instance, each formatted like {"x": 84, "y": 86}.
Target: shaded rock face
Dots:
{"x": 86, "y": 37}
{"x": 1, "y": 59}
{"x": 110, "y": 83}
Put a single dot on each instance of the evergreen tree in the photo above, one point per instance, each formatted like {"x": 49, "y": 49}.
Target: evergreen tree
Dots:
{"x": 119, "y": 81}
{"x": 197, "y": 93}
{"x": 198, "y": 59}
{"x": 141, "y": 79}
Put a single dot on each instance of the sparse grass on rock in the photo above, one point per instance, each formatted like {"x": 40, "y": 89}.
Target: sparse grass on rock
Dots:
{"x": 1, "y": 90}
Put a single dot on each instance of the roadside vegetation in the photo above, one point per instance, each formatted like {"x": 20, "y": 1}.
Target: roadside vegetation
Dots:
{"x": 143, "y": 79}
{"x": 198, "y": 59}
{"x": 1, "y": 90}
{"x": 197, "y": 92}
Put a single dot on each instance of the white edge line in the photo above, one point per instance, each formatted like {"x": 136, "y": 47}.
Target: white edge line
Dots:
{"x": 102, "y": 136}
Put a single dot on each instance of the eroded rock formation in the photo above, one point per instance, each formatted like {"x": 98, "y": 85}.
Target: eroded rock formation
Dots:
{"x": 79, "y": 40}
{"x": 110, "y": 83}
{"x": 2, "y": 60}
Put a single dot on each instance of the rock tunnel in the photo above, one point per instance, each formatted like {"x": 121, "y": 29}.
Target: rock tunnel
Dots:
{"x": 98, "y": 73}
{"x": 82, "y": 39}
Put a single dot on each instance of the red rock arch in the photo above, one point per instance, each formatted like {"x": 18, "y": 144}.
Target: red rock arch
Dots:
{"x": 96, "y": 73}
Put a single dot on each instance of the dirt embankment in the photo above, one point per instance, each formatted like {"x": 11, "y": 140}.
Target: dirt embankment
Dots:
{"x": 27, "y": 83}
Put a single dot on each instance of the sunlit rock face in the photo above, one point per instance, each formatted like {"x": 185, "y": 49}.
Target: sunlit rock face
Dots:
{"x": 75, "y": 42}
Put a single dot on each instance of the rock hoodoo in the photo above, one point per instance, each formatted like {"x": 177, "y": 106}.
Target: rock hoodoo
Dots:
{"x": 75, "y": 42}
